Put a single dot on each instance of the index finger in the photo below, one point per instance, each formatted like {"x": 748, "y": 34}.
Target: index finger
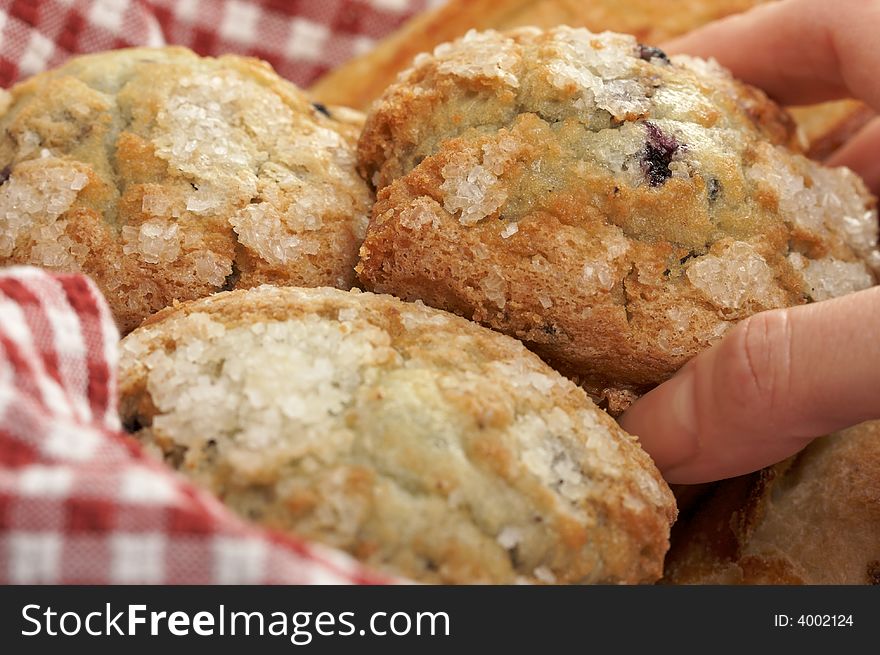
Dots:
{"x": 798, "y": 51}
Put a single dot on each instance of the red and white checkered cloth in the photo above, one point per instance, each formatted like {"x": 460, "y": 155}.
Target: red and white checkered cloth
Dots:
{"x": 79, "y": 501}
{"x": 302, "y": 39}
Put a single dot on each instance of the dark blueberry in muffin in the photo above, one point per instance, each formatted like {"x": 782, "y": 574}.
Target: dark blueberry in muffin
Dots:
{"x": 659, "y": 150}
{"x": 649, "y": 52}
{"x": 322, "y": 108}
{"x": 714, "y": 188}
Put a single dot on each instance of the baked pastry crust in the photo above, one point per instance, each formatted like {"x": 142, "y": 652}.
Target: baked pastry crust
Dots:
{"x": 164, "y": 176}
{"x": 423, "y": 444}
{"x": 813, "y": 519}
{"x": 615, "y": 210}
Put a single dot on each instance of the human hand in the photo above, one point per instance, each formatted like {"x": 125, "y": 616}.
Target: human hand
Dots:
{"x": 781, "y": 378}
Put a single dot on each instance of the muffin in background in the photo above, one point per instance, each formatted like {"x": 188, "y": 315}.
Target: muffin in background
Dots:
{"x": 812, "y": 519}
{"x": 423, "y": 444}
{"x": 164, "y": 176}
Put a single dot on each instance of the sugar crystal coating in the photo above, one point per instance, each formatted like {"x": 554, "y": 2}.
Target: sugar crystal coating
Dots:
{"x": 591, "y": 64}
{"x": 829, "y": 278}
{"x": 32, "y": 200}
{"x": 735, "y": 277}
{"x": 155, "y": 241}
{"x": 470, "y": 190}
{"x": 480, "y": 57}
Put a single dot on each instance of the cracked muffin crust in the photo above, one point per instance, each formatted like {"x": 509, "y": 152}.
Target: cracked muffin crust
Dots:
{"x": 165, "y": 176}
{"x": 420, "y": 442}
{"x": 615, "y": 209}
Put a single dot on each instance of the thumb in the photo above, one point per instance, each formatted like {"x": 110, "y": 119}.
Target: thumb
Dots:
{"x": 776, "y": 381}
{"x": 860, "y": 154}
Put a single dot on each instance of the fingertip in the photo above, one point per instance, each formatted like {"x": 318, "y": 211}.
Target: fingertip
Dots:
{"x": 860, "y": 155}
{"x": 664, "y": 420}
{"x": 725, "y": 413}
{"x": 704, "y": 40}
{"x": 765, "y": 46}
{"x": 752, "y": 400}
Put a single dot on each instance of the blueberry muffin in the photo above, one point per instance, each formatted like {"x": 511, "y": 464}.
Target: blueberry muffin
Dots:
{"x": 615, "y": 209}
{"x": 167, "y": 176}
{"x": 420, "y": 442}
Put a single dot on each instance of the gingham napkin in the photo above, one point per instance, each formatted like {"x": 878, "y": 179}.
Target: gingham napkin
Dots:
{"x": 79, "y": 501}
{"x": 302, "y": 39}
